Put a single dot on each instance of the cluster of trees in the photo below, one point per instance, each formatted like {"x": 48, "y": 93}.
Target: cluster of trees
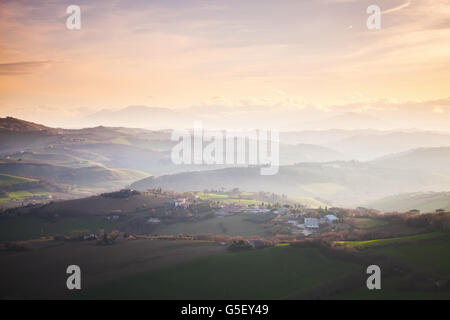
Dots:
{"x": 431, "y": 221}
{"x": 113, "y": 237}
{"x": 124, "y": 193}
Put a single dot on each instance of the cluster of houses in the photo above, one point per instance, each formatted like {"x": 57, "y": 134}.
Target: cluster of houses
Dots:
{"x": 300, "y": 220}
{"x": 183, "y": 203}
{"x": 311, "y": 225}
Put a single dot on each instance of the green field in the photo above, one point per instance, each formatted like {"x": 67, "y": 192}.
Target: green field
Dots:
{"x": 391, "y": 241}
{"x": 431, "y": 256}
{"x": 228, "y": 199}
{"x": 23, "y": 194}
{"x": 368, "y": 223}
{"x": 212, "y": 196}
{"x": 8, "y": 180}
{"x": 236, "y": 225}
{"x": 26, "y": 228}
{"x": 272, "y": 273}
{"x": 392, "y": 288}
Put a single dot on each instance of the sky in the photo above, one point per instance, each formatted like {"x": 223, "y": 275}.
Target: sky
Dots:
{"x": 261, "y": 56}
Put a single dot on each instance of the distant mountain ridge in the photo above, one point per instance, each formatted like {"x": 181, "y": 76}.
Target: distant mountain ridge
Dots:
{"x": 348, "y": 183}
{"x": 18, "y": 125}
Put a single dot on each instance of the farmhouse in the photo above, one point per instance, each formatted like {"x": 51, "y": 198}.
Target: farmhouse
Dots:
{"x": 330, "y": 219}
{"x": 311, "y": 223}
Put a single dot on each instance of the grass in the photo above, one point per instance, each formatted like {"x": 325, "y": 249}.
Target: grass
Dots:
{"x": 8, "y": 180}
{"x": 40, "y": 272}
{"x": 391, "y": 289}
{"x": 212, "y": 196}
{"x": 231, "y": 225}
{"x": 272, "y": 273}
{"x": 368, "y": 223}
{"x": 390, "y": 241}
{"x": 227, "y": 199}
{"x": 431, "y": 256}
{"x": 23, "y": 194}
{"x": 26, "y": 228}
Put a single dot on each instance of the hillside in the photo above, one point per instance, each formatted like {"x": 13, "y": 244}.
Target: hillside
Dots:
{"x": 17, "y": 125}
{"x": 102, "y": 205}
{"x": 342, "y": 183}
{"x": 423, "y": 201}
{"x": 433, "y": 159}
{"x": 74, "y": 176}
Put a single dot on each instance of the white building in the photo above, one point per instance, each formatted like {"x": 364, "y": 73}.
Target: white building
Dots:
{"x": 311, "y": 223}
{"x": 331, "y": 218}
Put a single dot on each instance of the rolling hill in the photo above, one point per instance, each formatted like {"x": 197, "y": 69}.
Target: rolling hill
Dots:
{"x": 423, "y": 201}
{"x": 91, "y": 176}
{"x": 342, "y": 183}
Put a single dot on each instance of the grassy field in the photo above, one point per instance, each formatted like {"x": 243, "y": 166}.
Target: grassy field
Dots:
{"x": 26, "y": 228}
{"x": 231, "y": 225}
{"x": 8, "y": 180}
{"x": 366, "y": 223}
{"x": 272, "y": 273}
{"x": 393, "y": 288}
{"x": 41, "y": 272}
{"x": 227, "y": 198}
{"x": 431, "y": 256}
{"x": 23, "y": 194}
{"x": 391, "y": 241}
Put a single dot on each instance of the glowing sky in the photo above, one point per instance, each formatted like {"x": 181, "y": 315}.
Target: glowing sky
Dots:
{"x": 184, "y": 53}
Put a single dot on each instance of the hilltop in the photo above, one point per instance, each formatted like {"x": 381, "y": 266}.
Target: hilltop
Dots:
{"x": 18, "y": 125}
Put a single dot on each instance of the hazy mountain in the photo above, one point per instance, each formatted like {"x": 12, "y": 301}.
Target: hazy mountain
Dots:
{"x": 349, "y": 121}
{"x": 433, "y": 160}
{"x": 342, "y": 183}
{"x": 138, "y": 116}
{"x": 221, "y": 117}
{"x": 370, "y": 146}
{"x": 117, "y": 155}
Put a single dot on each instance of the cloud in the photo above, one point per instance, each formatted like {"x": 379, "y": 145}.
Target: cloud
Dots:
{"x": 400, "y": 7}
{"x": 24, "y": 67}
